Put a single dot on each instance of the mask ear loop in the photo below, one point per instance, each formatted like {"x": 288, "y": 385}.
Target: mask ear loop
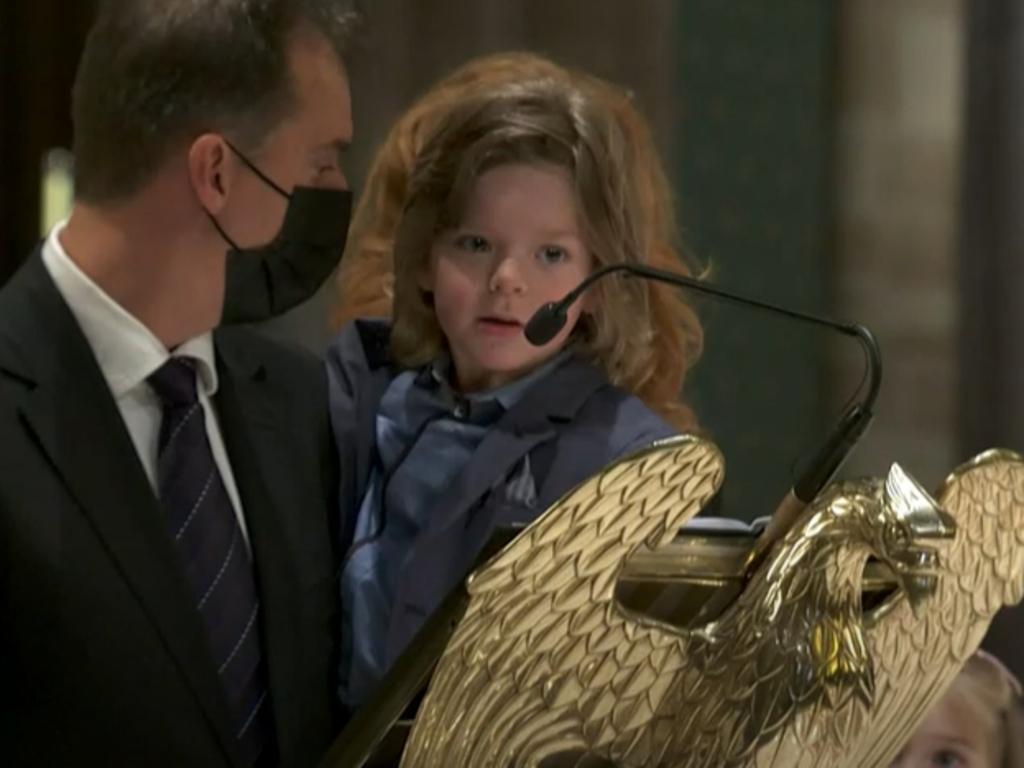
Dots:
{"x": 259, "y": 174}
{"x": 220, "y": 230}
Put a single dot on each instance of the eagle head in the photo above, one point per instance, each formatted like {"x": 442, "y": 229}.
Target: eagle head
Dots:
{"x": 910, "y": 521}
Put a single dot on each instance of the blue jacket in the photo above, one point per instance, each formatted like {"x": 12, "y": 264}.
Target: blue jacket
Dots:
{"x": 571, "y": 425}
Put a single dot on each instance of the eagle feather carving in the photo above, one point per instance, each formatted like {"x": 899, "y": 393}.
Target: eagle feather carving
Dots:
{"x": 547, "y": 668}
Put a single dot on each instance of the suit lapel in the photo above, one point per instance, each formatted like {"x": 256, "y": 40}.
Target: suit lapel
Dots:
{"x": 253, "y": 436}
{"x": 358, "y": 449}
{"x": 71, "y": 414}
{"x": 532, "y": 421}
{"x": 440, "y": 550}
{"x": 503, "y": 446}
{"x": 528, "y": 423}
{"x": 363, "y": 359}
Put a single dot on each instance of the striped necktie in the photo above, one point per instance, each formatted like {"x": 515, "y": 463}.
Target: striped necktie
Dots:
{"x": 214, "y": 554}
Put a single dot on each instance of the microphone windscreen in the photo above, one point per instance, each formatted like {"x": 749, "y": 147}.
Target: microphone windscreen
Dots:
{"x": 544, "y": 325}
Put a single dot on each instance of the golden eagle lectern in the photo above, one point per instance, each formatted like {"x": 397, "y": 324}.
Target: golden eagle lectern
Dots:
{"x": 547, "y": 668}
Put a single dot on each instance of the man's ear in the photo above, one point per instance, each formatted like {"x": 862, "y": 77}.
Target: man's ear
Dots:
{"x": 209, "y": 171}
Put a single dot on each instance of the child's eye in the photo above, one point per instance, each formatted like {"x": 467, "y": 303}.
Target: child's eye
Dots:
{"x": 473, "y": 243}
{"x": 552, "y": 254}
{"x": 947, "y": 758}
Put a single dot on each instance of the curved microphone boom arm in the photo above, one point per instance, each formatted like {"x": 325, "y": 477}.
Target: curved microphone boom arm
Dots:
{"x": 551, "y": 318}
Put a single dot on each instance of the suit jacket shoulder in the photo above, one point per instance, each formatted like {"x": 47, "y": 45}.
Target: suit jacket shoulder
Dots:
{"x": 102, "y": 647}
{"x": 248, "y": 347}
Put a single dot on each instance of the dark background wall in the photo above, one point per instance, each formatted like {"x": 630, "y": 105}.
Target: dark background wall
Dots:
{"x": 40, "y": 41}
{"x": 991, "y": 268}
{"x": 755, "y": 84}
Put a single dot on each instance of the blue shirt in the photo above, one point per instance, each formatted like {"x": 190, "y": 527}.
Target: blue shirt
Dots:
{"x": 426, "y": 434}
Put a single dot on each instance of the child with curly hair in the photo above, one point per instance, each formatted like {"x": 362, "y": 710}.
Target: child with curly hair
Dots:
{"x": 504, "y": 188}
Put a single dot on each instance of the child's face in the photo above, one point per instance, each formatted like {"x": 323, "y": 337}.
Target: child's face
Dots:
{"x": 948, "y": 738}
{"x": 517, "y": 247}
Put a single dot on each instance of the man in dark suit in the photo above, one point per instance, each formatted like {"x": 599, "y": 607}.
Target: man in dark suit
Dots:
{"x": 167, "y": 577}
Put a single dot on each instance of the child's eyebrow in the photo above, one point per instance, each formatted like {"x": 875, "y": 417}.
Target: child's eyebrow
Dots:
{"x": 475, "y": 228}
{"x": 563, "y": 234}
{"x": 942, "y": 741}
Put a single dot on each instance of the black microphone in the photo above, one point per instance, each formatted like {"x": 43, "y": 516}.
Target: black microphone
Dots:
{"x": 551, "y": 318}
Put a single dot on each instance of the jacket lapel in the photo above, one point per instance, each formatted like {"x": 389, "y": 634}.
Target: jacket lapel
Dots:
{"x": 364, "y": 357}
{"x": 531, "y": 422}
{"x": 74, "y": 419}
{"x": 253, "y": 437}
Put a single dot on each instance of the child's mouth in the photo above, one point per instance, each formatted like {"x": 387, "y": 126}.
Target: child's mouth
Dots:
{"x": 500, "y": 325}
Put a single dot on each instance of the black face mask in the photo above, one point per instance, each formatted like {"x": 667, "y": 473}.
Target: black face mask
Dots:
{"x": 268, "y": 280}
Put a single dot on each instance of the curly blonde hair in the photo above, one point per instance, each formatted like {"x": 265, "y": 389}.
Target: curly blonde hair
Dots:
{"x": 522, "y": 108}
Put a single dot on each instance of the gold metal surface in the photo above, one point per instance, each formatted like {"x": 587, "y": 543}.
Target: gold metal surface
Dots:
{"x": 917, "y": 654}
{"x": 716, "y": 560}
{"x": 548, "y": 668}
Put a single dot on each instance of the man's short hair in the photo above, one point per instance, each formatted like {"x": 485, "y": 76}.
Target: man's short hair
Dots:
{"x": 156, "y": 73}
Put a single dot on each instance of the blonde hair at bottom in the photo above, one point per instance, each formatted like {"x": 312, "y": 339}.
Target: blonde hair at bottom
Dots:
{"x": 992, "y": 697}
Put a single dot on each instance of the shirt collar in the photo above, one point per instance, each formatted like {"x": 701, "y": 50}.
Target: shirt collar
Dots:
{"x": 125, "y": 349}
{"x": 438, "y": 372}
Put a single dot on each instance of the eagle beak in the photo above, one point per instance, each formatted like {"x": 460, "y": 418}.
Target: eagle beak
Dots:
{"x": 914, "y": 506}
{"x": 917, "y": 567}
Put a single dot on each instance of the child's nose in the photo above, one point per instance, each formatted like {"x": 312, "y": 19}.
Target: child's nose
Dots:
{"x": 507, "y": 277}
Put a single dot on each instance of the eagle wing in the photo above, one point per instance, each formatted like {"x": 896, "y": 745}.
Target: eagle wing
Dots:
{"x": 544, "y": 650}
{"x": 982, "y": 569}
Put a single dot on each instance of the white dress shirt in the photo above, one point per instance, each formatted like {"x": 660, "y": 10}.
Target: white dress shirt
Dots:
{"x": 127, "y": 353}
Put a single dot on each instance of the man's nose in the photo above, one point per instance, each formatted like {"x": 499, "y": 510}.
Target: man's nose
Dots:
{"x": 336, "y": 179}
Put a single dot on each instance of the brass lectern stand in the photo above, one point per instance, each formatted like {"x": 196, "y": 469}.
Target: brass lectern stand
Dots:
{"x": 601, "y": 635}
